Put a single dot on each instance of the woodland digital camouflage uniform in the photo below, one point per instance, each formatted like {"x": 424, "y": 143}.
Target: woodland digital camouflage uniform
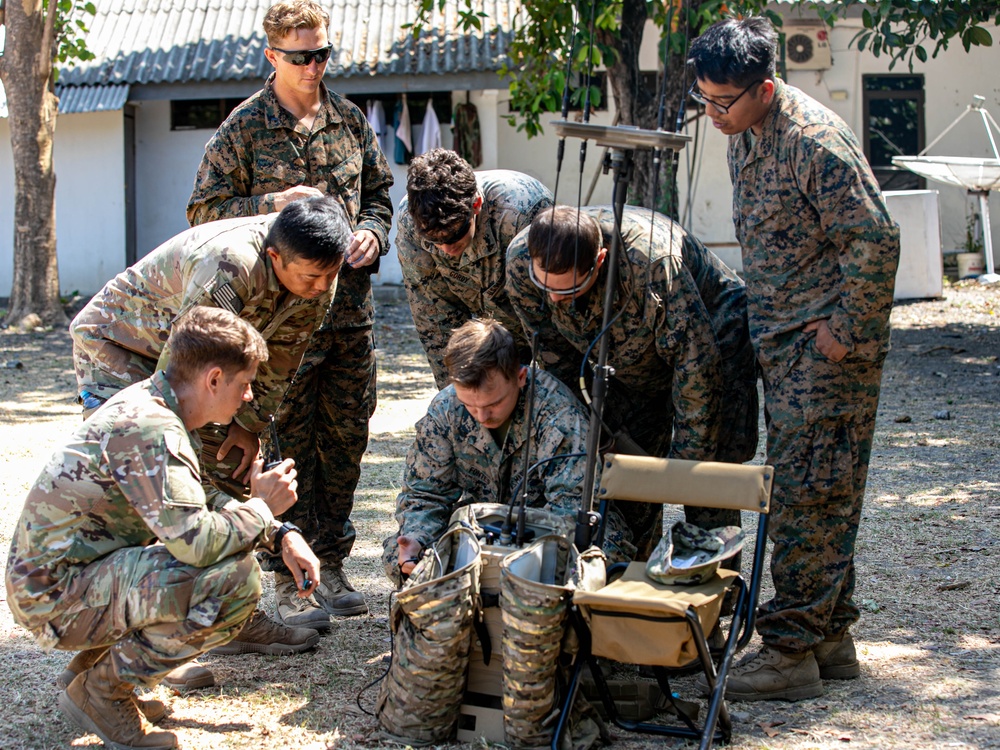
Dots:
{"x": 443, "y": 291}
{"x": 454, "y": 461}
{"x": 323, "y": 424}
{"x": 116, "y": 547}
{"x": 684, "y": 380}
{"x": 120, "y": 337}
{"x": 830, "y": 253}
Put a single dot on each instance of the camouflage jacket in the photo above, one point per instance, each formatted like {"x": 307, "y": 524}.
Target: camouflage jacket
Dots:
{"x": 120, "y": 337}
{"x": 444, "y": 292}
{"x": 678, "y": 340}
{"x": 454, "y": 460}
{"x": 261, "y": 149}
{"x": 817, "y": 238}
{"x": 128, "y": 477}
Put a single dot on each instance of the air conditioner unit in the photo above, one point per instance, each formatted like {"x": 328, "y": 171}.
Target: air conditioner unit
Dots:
{"x": 807, "y": 47}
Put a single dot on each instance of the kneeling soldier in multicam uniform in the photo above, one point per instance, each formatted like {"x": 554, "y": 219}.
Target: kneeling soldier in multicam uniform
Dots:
{"x": 278, "y": 273}
{"x": 470, "y": 446}
{"x": 117, "y": 553}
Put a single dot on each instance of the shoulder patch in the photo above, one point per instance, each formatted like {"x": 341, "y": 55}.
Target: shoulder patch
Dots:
{"x": 227, "y": 298}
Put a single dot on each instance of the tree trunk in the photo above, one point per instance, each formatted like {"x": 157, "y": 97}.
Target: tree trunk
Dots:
{"x": 638, "y": 105}
{"x": 26, "y": 72}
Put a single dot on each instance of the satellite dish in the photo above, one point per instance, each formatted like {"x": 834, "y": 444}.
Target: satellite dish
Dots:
{"x": 978, "y": 176}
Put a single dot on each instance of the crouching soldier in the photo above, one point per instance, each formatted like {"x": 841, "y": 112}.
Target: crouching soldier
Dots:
{"x": 116, "y": 553}
{"x": 470, "y": 446}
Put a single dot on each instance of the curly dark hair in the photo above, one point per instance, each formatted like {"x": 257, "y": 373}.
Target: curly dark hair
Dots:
{"x": 440, "y": 188}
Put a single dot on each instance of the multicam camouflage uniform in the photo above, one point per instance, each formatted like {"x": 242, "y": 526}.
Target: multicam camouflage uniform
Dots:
{"x": 443, "y": 291}
{"x": 685, "y": 379}
{"x": 116, "y": 547}
{"x": 829, "y": 253}
{"x": 120, "y": 337}
{"x": 262, "y": 149}
{"x": 455, "y": 461}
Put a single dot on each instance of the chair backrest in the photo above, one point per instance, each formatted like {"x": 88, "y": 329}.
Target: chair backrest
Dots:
{"x": 708, "y": 484}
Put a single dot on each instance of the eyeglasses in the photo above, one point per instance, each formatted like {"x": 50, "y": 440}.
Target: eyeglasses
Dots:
{"x": 454, "y": 237}
{"x": 560, "y": 292}
{"x": 695, "y": 94}
{"x": 302, "y": 57}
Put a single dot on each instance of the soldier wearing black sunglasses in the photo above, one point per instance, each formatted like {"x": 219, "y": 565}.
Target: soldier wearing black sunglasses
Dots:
{"x": 295, "y": 139}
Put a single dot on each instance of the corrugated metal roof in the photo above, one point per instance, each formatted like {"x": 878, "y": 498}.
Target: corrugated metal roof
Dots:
{"x": 75, "y": 99}
{"x": 181, "y": 41}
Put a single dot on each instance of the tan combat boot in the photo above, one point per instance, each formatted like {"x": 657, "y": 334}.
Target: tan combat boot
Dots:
{"x": 262, "y": 635}
{"x": 152, "y": 709}
{"x": 773, "y": 675}
{"x": 296, "y": 612}
{"x": 837, "y": 658}
{"x": 97, "y": 701}
{"x": 336, "y": 595}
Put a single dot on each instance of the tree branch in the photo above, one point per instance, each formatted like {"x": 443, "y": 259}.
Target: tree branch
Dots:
{"x": 48, "y": 46}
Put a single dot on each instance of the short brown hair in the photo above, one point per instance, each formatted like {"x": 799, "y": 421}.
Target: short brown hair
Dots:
{"x": 440, "y": 190}
{"x": 477, "y": 349}
{"x": 293, "y": 14}
{"x": 564, "y": 239}
{"x": 207, "y": 336}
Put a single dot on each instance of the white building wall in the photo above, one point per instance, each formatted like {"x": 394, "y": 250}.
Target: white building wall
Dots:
{"x": 90, "y": 201}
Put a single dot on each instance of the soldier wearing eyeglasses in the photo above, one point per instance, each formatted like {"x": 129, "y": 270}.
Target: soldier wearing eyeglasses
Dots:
{"x": 819, "y": 254}
{"x": 685, "y": 381}
{"x": 294, "y": 139}
{"x": 454, "y": 228}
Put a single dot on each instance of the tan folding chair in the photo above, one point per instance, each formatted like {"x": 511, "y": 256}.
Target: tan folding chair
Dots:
{"x": 636, "y": 620}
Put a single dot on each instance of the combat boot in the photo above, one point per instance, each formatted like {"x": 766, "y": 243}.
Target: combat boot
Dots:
{"x": 190, "y": 676}
{"x": 152, "y": 709}
{"x": 772, "y": 675}
{"x": 296, "y": 612}
{"x": 262, "y": 635}
{"x": 335, "y": 593}
{"x": 837, "y": 658}
{"x": 99, "y": 702}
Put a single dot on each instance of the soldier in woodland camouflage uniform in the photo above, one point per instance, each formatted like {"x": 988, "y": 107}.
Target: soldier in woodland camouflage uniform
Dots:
{"x": 117, "y": 554}
{"x": 820, "y": 253}
{"x": 684, "y": 380}
{"x": 470, "y": 446}
{"x": 277, "y": 272}
{"x": 296, "y": 138}
{"x": 454, "y": 228}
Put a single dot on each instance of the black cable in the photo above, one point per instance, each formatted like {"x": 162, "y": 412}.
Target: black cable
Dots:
{"x": 377, "y": 680}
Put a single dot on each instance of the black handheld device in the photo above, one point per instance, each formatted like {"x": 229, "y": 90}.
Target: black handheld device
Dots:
{"x": 273, "y": 455}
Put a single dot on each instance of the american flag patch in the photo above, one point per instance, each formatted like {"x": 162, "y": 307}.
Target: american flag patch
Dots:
{"x": 227, "y": 298}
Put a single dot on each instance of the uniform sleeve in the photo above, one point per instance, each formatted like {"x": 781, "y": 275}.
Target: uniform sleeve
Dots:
{"x": 437, "y": 311}
{"x": 555, "y": 354}
{"x": 685, "y": 341}
{"x": 162, "y": 484}
{"x": 376, "y": 179}
{"x": 854, "y": 218}
{"x": 430, "y": 482}
{"x": 224, "y": 182}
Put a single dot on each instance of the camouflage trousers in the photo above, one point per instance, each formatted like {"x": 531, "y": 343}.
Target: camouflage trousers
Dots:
{"x": 323, "y": 425}
{"x": 155, "y": 612}
{"x": 820, "y": 422}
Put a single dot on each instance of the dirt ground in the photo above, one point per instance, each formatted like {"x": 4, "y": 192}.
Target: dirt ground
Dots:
{"x": 929, "y": 639}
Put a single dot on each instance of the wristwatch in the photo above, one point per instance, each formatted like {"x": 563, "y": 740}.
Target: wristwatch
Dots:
{"x": 280, "y": 534}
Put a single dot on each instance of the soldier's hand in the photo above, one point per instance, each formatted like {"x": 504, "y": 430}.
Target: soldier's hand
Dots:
{"x": 828, "y": 346}
{"x": 247, "y": 442}
{"x": 409, "y": 550}
{"x": 277, "y": 487}
{"x": 363, "y": 250}
{"x": 301, "y": 561}
{"x": 293, "y": 194}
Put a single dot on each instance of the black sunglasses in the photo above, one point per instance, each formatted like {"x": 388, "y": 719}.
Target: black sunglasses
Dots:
{"x": 302, "y": 57}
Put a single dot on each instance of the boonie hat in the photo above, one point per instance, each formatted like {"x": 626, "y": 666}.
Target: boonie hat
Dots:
{"x": 688, "y": 555}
